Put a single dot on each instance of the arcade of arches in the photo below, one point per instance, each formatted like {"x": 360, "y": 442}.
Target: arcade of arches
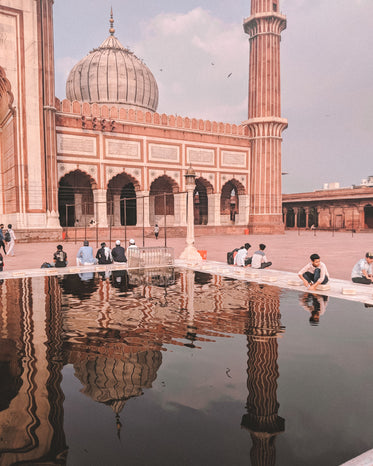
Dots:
{"x": 81, "y": 204}
{"x": 352, "y": 214}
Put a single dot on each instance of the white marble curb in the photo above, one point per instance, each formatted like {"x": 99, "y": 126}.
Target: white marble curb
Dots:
{"x": 366, "y": 459}
{"x": 288, "y": 280}
{"x": 336, "y": 288}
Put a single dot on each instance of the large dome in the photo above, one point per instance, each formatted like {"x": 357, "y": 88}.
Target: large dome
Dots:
{"x": 113, "y": 75}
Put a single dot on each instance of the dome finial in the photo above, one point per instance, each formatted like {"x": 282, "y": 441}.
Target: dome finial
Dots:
{"x": 111, "y": 30}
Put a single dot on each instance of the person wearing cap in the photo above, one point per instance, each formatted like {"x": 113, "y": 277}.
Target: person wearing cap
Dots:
{"x": 85, "y": 255}
{"x": 118, "y": 253}
{"x": 60, "y": 257}
{"x": 131, "y": 245}
{"x": 103, "y": 255}
{"x": 241, "y": 258}
{"x": 363, "y": 270}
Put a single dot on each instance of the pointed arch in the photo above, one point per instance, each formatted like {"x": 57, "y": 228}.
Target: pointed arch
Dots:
{"x": 163, "y": 189}
{"x": 6, "y": 95}
{"x": 229, "y": 199}
{"x": 368, "y": 216}
{"x": 75, "y": 198}
{"x": 121, "y": 199}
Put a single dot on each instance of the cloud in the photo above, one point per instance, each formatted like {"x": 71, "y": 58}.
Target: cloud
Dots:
{"x": 191, "y": 55}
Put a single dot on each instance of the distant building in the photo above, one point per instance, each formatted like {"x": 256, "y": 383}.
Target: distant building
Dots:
{"x": 330, "y": 209}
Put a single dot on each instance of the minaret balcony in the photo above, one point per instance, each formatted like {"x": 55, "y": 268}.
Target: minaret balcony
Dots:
{"x": 269, "y": 22}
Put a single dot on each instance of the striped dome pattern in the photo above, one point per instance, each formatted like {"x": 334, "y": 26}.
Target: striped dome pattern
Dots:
{"x": 113, "y": 75}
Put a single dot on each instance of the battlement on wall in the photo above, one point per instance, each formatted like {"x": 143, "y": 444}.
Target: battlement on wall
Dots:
{"x": 86, "y": 110}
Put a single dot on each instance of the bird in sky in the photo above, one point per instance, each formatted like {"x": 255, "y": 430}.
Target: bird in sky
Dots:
{"x": 229, "y": 75}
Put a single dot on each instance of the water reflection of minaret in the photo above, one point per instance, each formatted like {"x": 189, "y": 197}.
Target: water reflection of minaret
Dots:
{"x": 31, "y": 422}
{"x": 263, "y": 329}
{"x": 191, "y": 334}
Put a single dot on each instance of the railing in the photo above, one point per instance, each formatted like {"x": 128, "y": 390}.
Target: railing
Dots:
{"x": 150, "y": 257}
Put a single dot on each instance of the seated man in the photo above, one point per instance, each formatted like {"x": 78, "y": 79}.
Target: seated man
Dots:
{"x": 242, "y": 259}
{"x": 85, "y": 255}
{"x": 60, "y": 257}
{"x": 103, "y": 255}
{"x": 314, "y": 273}
{"x": 118, "y": 253}
{"x": 132, "y": 245}
{"x": 363, "y": 270}
{"x": 259, "y": 260}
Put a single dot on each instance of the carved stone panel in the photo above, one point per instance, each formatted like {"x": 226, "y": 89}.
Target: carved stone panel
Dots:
{"x": 197, "y": 156}
{"x": 76, "y": 145}
{"x": 164, "y": 153}
{"x": 130, "y": 150}
{"x": 233, "y": 159}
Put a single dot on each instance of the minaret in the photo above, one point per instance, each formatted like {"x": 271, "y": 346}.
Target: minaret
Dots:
{"x": 265, "y": 124}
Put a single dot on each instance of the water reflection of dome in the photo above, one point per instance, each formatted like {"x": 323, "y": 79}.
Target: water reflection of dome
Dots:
{"x": 113, "y": 75}
{"x": 113, "y": 381}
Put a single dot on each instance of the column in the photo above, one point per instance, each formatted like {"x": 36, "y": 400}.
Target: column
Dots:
{"x": 180, "y": 204}
{"x": 307, "y": 210}
{"x": 142, "y": 208}
{"x": 100, "y": 212}
{"x": 116, "y": 210}
{"x": 213, "y": 202}
{"x": 78, "y": 209}
{"x": 243, "y": 209}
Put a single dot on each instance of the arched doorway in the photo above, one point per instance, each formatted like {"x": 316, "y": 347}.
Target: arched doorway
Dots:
{"x": 200, "y": 200}
{"x": 75, "y": 199}
{"x": 368, "y": 216}
{"x": 290, "y": 218}
{"x": 229, "y": 200}
{"x": 313, "y": 218}
{"x": 301, "y": 218}
{"x": 121, "y": 200}
{"x": 162, "y": 189}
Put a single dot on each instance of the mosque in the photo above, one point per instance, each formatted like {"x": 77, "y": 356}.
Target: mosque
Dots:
{"x": 105, "y": 156}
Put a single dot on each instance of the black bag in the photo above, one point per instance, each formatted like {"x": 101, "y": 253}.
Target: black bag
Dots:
{"x": 7, "y": 236}
{"x": 230, "y": 256}
{"x": 46, "y": 265}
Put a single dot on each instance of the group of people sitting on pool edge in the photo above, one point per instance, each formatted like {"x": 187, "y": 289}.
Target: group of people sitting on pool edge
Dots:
{"x": 257, "y": 261}
{"x": 104, "y": 255}
{"x": 312, "y": 274}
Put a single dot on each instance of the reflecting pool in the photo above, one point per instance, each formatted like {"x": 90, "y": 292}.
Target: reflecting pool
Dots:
{"x": 183, "y": 369}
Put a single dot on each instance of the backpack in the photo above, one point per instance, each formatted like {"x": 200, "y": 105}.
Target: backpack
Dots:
{"x": 230, "y": 256}
{"x": 46, "y": 265}
{"x": 7, "y": 236}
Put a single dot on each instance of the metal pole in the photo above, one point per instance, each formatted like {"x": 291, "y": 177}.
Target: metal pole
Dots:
{"x": 143, "y": 221}
{"x": 111, "y": 220}
{"x": 165, "y": 226}
{"x": 67, "y": 218}
{"x": 96, "y": 225}
{"x": 85, "y": 221}
{"x": 125, "y": 222}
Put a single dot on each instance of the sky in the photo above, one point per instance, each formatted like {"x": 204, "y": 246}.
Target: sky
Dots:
{"x": 191, "y": 48}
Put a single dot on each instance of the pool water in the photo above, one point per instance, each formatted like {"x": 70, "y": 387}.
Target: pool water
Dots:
{"x": 193, "y": 369}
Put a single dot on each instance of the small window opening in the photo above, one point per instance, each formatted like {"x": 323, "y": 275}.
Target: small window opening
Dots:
{"x": 275, "y": 7}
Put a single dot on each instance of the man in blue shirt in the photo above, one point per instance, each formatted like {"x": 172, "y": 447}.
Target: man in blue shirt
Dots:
{"x": 85, "y": 255}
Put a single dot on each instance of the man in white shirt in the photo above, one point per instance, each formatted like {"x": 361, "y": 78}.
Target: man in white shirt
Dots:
{"x": 314, "y": 273}
{"x": 259, "y": 259}
{"x": 242, "y": 259}
{"x": 363, "y": 270}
